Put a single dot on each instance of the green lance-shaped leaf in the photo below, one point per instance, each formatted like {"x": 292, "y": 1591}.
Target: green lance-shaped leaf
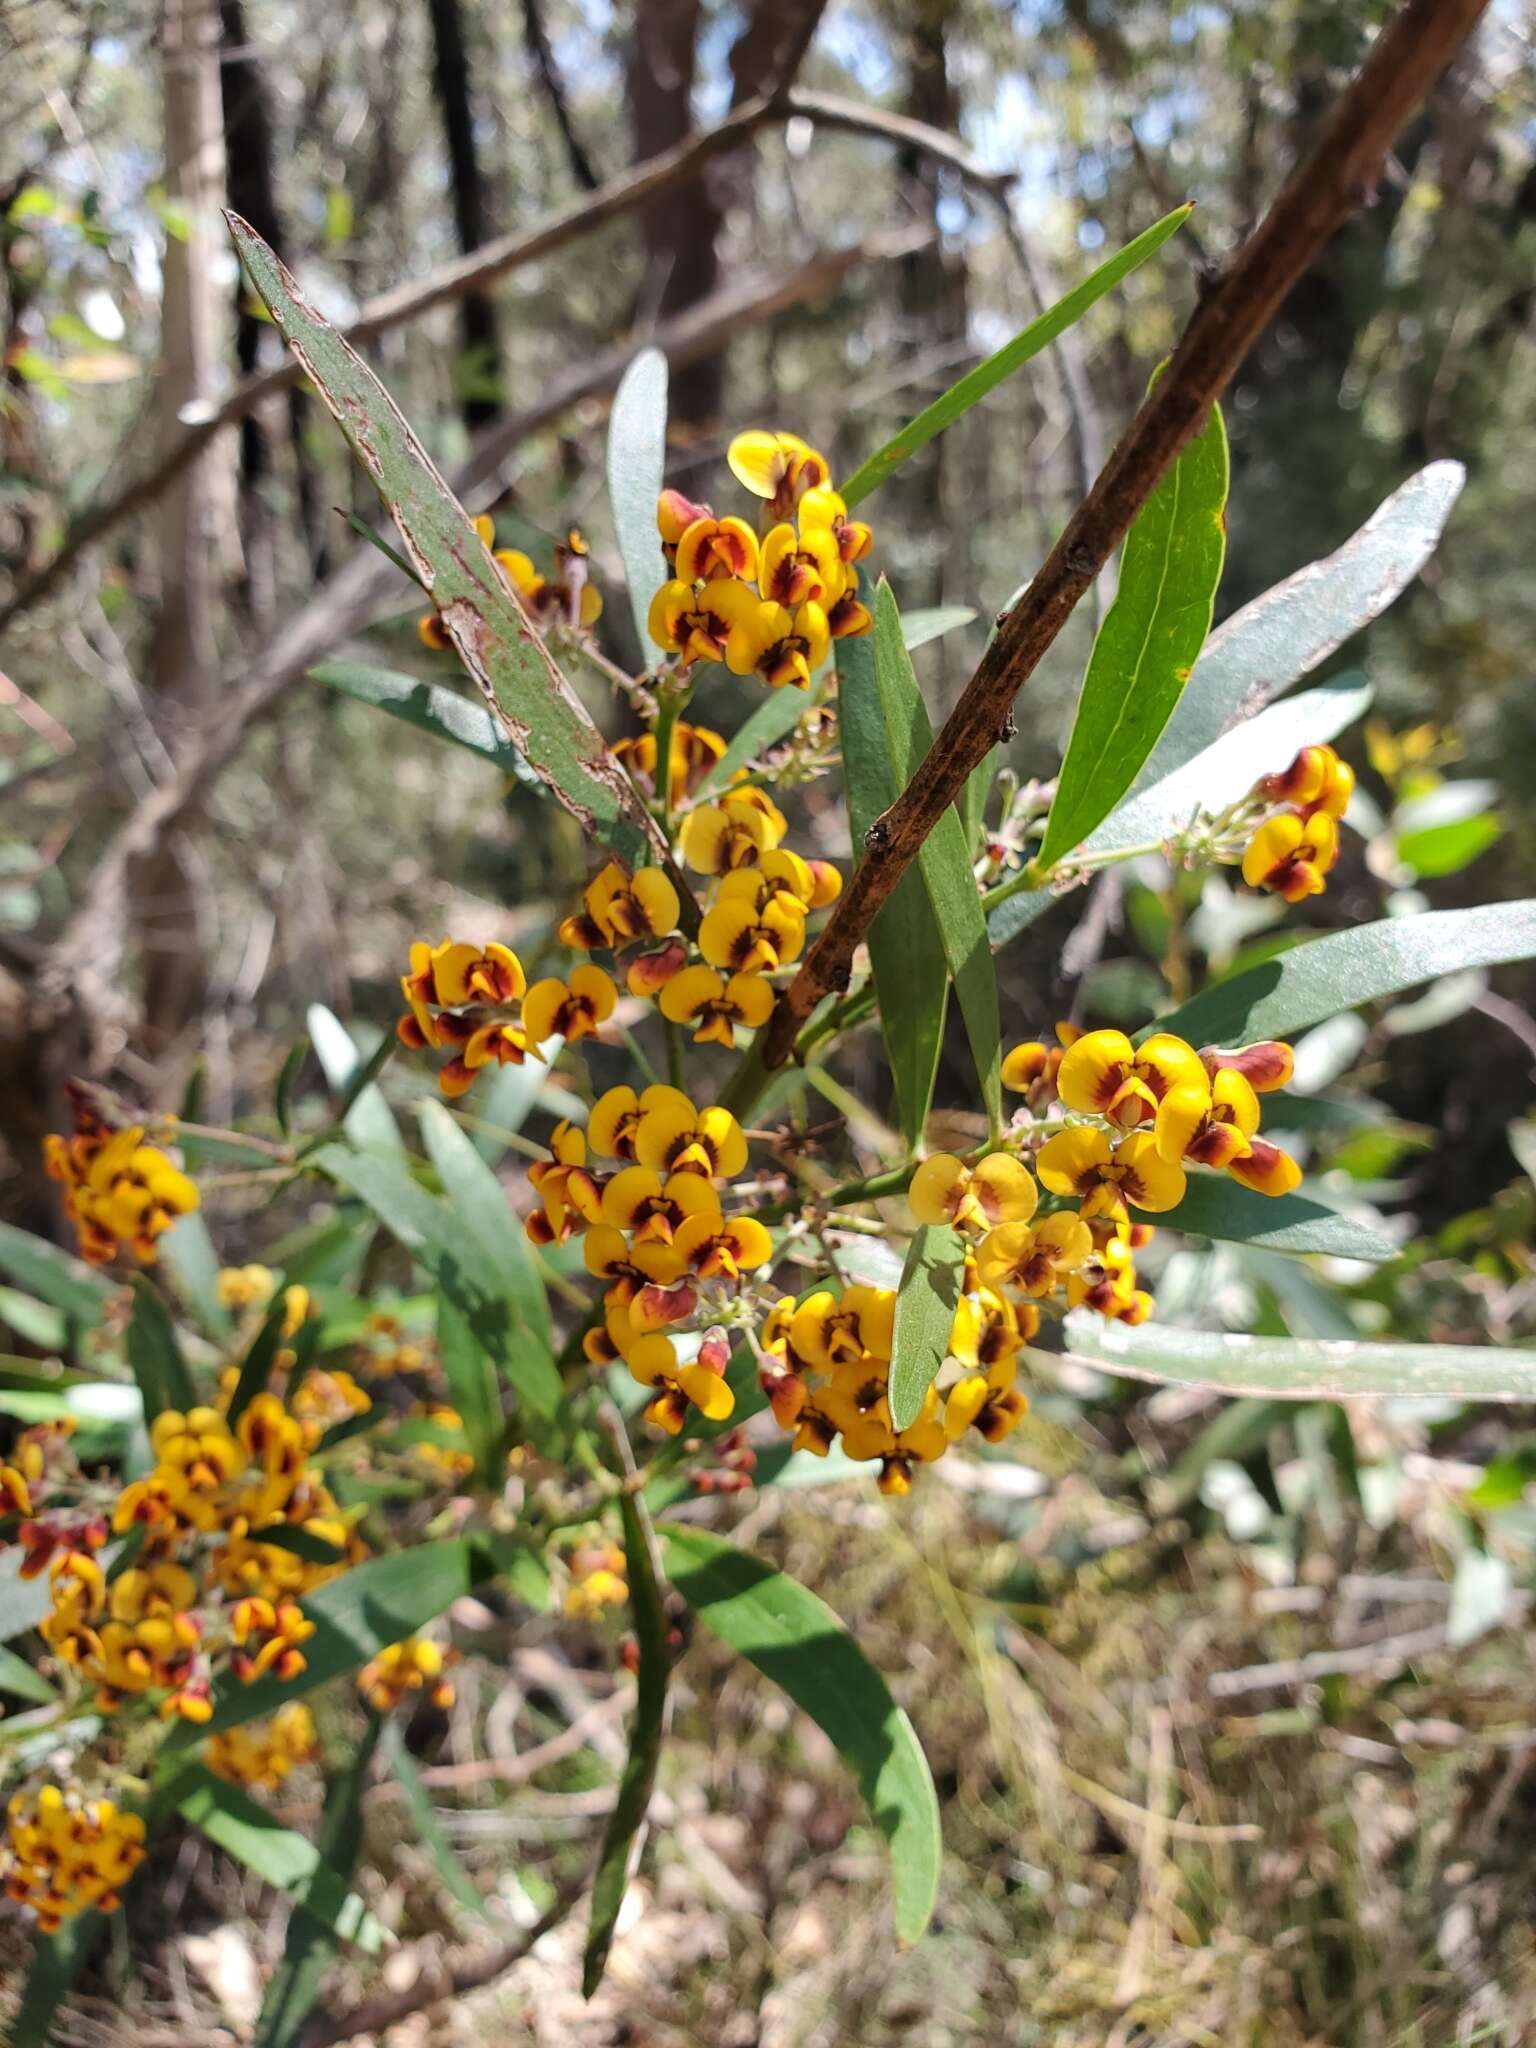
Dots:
{"x": 53, "y": 1276}
{"x": 1216, "y": 1206}
{"x": 1145, "y": 650}
{"x": 480, "y": 1202}
{"x": 637, "y": 460}
{"x": 1302, "y": 1368}
{"x": 364, "y": 1115}
{"x": 796, "y": 1640}
{"x": 254, "y": 1837}
{"x": 23, "y": 1682}
{"x": 944, "y": 857}
{"x": 355, "y": 1616}
{"x": 1312, "y": 982}
{"x": 471, "y": 1377}
{"x": 925, "y": 1315}
{"x": 532, "y": 701}
{"x": 260, "y": 1358}
{"x": 433, "y": 709}
{"x": 295, "y": 1987}
{"x": 504, "y": 1316}
{"x": 932, "y": 623}
{"x": 1039, "y": 334}
{"x": 624, "y": 1834}
{"x": 1292, "y": 629}
{"x": 777, "y": 715}
{"x": 402, "y": 1768}
{"x": 905, "y": 949}
{"x": 155, "y": 1354}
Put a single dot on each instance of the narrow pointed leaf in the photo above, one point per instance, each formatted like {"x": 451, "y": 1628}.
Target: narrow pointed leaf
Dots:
{"x": 905, "y": 949}
{"x": 1292, "y": 629}
{"x": 1145, "y": 650}
{"x": 23, "y": 1682}
{"x": 155, "y": 1354}
{"x": 260, "y": 1358}
{"x": 1217, "y": 1206}
{"x": 944, "y": 857}
{"x": 624, "y": 1835}
{"x": 480, "y": 1202}
{"x": 779, "y": 713}
{"x": 57, "y": 1959}
{"x": 527, "y": 694}
{"x": 795, "y": 1639}
{"x": 188, "y": 1255}
{"x": 637, "y": 459}
{"x": 471, "y": 1376}
{"x": 1318, "y": 980}
{"x": 1302, "y": 1368}
{"x": 254, "y": 1837}
{"x": 925, "y": 1315}
{"x": 1039, "y": 334}
{"x": 932, "y": 623}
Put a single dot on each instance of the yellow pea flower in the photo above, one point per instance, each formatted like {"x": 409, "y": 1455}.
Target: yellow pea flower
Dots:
{"x": 1292, "y": 855}
{"x": 711, "y": 548}
{"x": 1034, "y": 1260}
{"x": 795, "y": 568}
{"x": 733, "y": 833}
{"x": 695, "y": 750}
{"x": 671, "y": 1135}
{"x": 740, "y": 939}
{"x": 653, "y": 1362}
{"x": 621, "y": 907}
{"x": 1000, "y": 1189}
{"x": 571, "y": 1010}
{"x": 769, "y": 641}
{"x": 694, "y": 623}
{"x": 1101, "y": 1073}
{"x": 849, "y": 617}
{"x": 1106, "y": 1177}
{"x": 778, "y": 467}
{"x": 988, "y": 1402}
{"x": 639, "y": 1201}
{"x": 822, "y": 507}
{"x": 714, "y": 1006}
{"x": 724, "y": 1250}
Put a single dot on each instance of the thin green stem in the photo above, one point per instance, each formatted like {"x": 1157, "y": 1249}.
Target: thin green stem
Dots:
{"x": 670, "y": 704}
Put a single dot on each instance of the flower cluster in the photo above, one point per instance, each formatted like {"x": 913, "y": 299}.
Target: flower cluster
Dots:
{"x": 67, "y": 1855}
{"x": 263, "y": 1753}
{"x": 211, "y": 1582}
{"x": 766, "y": 605}
{"x": 416, "y": 1665}
{"x": 1293, "y": 851}
{"x": 597, "y": 1581}
{"x": 655, "y": 1233}
{"x": 567, "y": 598}
{"x": 119, "y": 1191}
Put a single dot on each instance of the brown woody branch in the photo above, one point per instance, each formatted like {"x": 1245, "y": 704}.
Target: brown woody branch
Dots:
{"x": 1339, "y": 176}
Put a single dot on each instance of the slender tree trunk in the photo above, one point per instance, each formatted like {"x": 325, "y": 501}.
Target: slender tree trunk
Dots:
{"x": 192, "y": 523}
{"x": 680, "y": 227}
{"x": 484, "y": 397}
{"x": 251, "y": 154}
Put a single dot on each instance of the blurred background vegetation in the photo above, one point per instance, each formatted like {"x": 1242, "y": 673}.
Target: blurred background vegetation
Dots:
{"x": 1233, "y": 1722}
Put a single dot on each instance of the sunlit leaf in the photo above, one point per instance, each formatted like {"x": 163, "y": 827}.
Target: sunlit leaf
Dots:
{"x": 795, "y": 1639}
{"x": 637, "y": 455}
{"x": 431, "y": 708}
{"x": 1301, "y": 1368}
{"x": 1360, "y": 965}
{"x": 1292, "y": 629}
{"x": 1217, "y": 1206}
{"x": 187, "y": 1252}
{"x": 369, "y": 1121}
{"x": 154, "y": 1353}
{"x": 1145, "y": 650}
{"x": 1039, "y": 334}
{"x": 932, "y": 623}
{"x": 1438, "y": 850}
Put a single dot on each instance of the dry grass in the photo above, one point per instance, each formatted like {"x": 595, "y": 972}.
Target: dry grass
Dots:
{"x": 1133, "y": 1859}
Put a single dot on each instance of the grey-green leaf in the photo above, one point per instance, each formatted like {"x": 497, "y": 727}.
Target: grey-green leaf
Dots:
{"x": 53, "y": 1276}
{"x": 1145, "y": 651}
{"x": 525, "y": 691}
{"x": 1292, "y": 629}
{"x": 1039, "y": 334}
{"x": 944, "y": 857}
{"x": 1301, "y": 1368}
{"x": 795, "y": 1639}
{"x": 777, "y": 715}
{"x": 905, "y": 949}
{"x": 402, "y": 1768}
{"x": 637, "y": 457}
{"x": 369, "y": 1121}
{"x": 1318, "y": 980}
{"x": 925, "y": 1315}
{"x": 154, "y": 1353}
